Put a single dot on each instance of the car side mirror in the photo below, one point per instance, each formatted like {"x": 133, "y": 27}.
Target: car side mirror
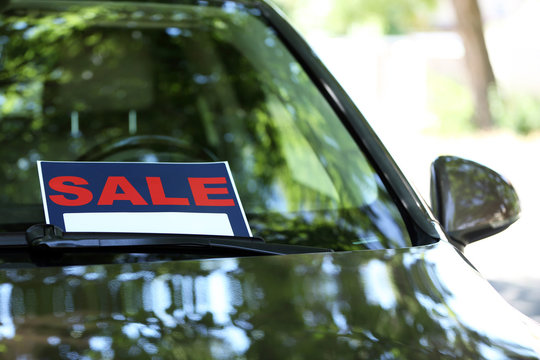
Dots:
{"x": 470, "y": 200}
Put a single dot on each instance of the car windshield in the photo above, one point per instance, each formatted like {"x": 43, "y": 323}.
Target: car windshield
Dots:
{"x": 89, "y": 81}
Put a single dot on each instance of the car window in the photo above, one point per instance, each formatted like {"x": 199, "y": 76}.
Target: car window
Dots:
{"x": 178, "y": 83}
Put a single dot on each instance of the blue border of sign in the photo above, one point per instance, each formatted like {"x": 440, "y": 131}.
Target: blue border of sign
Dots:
{"x": 173, "y": 180}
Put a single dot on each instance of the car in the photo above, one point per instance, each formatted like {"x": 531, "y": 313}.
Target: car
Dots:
{"x": 342, "y": 259}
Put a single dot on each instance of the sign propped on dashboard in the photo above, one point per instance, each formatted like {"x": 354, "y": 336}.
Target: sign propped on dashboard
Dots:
{"x": 165, "y": 198}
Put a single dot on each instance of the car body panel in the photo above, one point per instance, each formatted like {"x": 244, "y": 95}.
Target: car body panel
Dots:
{"x": 422, "y": 303}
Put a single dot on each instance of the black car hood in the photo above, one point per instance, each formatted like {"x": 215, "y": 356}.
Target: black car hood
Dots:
{"x": 418, "y": 303}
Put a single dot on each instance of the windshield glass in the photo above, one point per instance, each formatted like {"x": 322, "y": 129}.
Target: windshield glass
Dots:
{"x": 179, "y": 83}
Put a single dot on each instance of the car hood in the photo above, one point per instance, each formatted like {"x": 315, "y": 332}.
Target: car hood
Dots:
{"x": 420, "y": 303}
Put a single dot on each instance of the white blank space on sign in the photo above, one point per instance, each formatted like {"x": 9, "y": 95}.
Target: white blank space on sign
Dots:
{"x": 150, "y": 222}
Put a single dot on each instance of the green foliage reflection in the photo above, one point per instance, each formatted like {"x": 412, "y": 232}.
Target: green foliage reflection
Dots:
{"x": 178, "y": 83}
{"x": 357, "y": 305}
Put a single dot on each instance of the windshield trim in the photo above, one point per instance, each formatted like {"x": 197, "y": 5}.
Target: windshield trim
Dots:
{"x": 414, "y": 210}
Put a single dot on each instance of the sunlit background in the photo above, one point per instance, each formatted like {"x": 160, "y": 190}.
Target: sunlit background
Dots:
{"x": 404, "y": 64}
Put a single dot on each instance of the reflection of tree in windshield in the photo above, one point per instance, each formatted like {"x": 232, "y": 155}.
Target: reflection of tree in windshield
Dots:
{"x": 100, "y": 83}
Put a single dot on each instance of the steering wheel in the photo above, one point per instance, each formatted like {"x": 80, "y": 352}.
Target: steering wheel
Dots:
{"x": 148, "y": 148}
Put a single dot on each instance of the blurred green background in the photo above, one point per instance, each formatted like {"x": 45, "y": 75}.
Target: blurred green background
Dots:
{"x": 438, "y": 77}
{"x": 436, "y": 37}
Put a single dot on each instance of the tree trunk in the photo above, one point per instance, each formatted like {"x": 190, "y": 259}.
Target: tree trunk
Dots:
{"x": 477, "y": 58}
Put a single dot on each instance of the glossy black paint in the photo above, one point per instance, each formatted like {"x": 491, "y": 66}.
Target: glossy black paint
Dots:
{"x": 419, "y": 303}
{"x": 470, "y": 200}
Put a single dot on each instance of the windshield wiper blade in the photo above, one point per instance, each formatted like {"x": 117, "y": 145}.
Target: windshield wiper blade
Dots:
{"x": 45, "y": 237}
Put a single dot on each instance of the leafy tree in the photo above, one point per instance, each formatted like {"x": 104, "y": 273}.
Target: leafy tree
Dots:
{"x": 393, "y": 16}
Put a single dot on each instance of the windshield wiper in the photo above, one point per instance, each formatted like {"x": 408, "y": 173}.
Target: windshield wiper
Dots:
{"x": 43, "y": 237}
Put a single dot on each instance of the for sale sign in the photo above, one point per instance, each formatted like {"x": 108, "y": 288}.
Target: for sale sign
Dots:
{"x": 167, "y": 198}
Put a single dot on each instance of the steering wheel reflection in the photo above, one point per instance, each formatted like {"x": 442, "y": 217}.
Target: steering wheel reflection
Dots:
{"x": 148, "y": 148}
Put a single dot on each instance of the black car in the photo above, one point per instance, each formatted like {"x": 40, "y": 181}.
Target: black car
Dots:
{"x": 345, "y": 260}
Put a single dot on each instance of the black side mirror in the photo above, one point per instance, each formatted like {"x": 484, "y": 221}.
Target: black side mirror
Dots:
{"x": 470, "y": 200}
